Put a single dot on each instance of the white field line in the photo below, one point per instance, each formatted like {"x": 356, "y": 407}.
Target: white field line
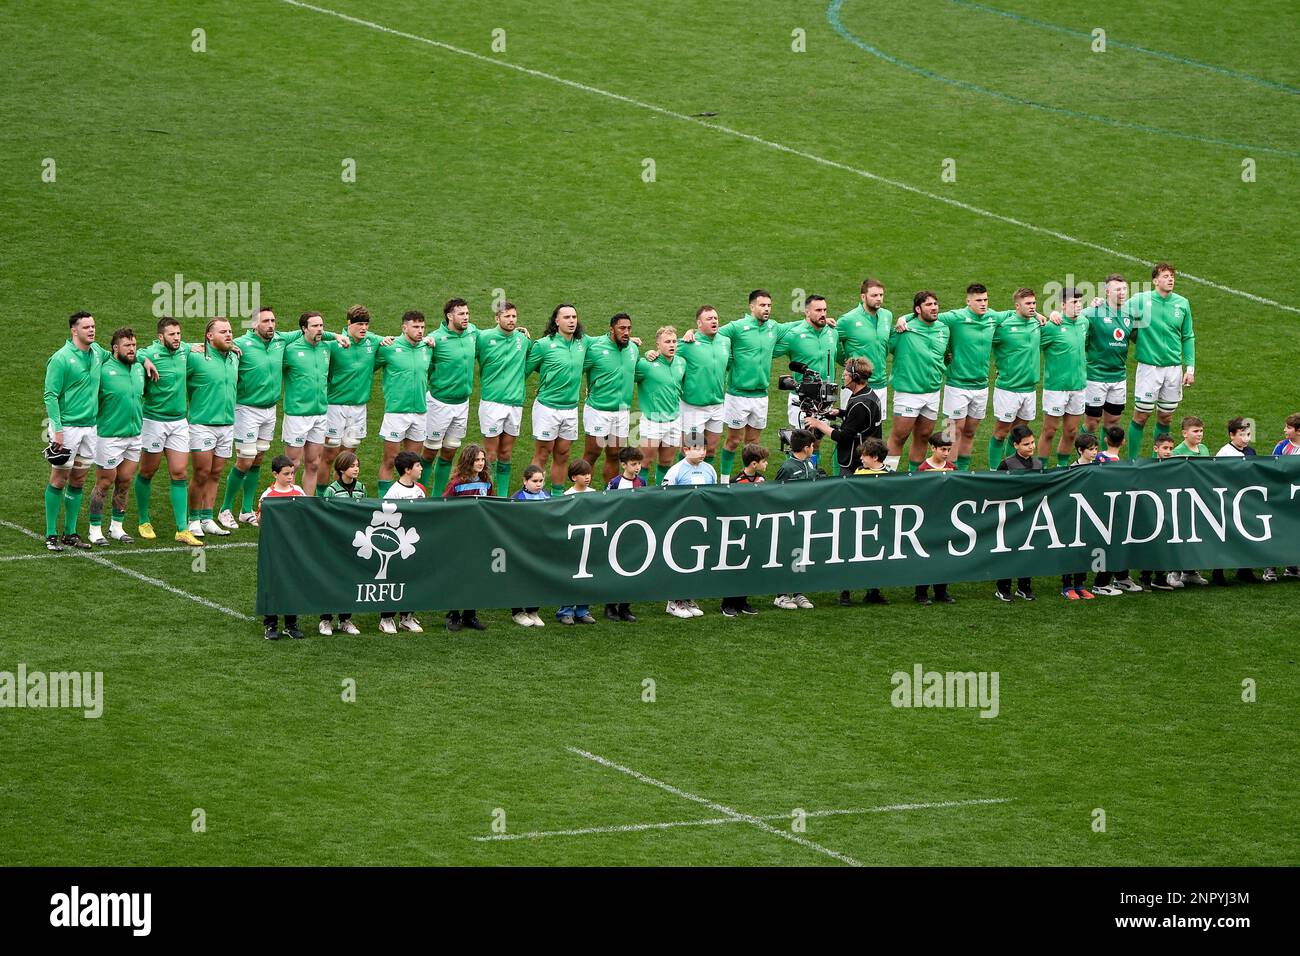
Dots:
{"x": 716, "y": 821}
{"x": 137, "y": 575}
{"x": 789, "y": 150}
{"x": 128, "y": 552}
{"x": 718, "y": 807}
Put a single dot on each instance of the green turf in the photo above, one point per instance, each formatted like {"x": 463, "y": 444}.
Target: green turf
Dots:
{"x": 225, "y": 166}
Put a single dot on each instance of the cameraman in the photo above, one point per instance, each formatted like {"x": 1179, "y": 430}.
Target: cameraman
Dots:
{"x": 860, "y": 418}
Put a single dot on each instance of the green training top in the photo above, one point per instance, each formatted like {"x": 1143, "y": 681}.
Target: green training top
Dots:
{"x": 502, "y": 361}
{"x": 970, "y": 339}
{"x": 558, "y": 363}
{"x": 335, "y": 488}
{"x": 451, "y": 370}
{"x": 611, "y": 374}
{"x": 706, "y": 358}
{"x": 1109, "y": 334}
{"x": 164, "y": 399}
{"x": 405, "y": 375}
{"x": 1201, "y": 451}
{"x": 121, "y": 399}
{"x": 72, "y": 385}
{"x": 919, "y": 356}
{"x": 1065, "y": 362}
{"x": 261, "y": 368}
{"x": 352, "y": 369}
{"x": 660, "y": 388}
{"x": 211, "y": 381}
{"x": 752, "y": 342}
{"x": 1162, "y": 328}
{"x": 306, "y": 377}
{"x": 1017, "y": 352}
{"x": 814, "y": 348}
{"x": 862, "y": 335}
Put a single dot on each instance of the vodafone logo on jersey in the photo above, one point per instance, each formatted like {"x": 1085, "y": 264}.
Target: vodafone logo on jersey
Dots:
{"x": 1118, "y": 335}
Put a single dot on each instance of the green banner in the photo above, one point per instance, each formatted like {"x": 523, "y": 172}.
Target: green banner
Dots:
{"x": 330, "y": 555}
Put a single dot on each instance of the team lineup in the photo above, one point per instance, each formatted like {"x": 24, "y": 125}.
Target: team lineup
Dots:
{"x": 703, "y": 401}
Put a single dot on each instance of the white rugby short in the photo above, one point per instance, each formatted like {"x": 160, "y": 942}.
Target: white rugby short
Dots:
{"x": 111, "y": 452}
{"x": 1158, "y": 385}
{"x": 345, "y": 425}
{"x": 495, "y": 418}
{"x": 402, "y": 426}
{"x": 445, "y": 424}
{"x": 172, "y": 436}
{"x": 550, "y": 424}
{"x": 1060, "y": 403}
{"x": 701, "y": 418}
{"x": 218, "y": 439}
{"x": 1106, "y": 393}
{"x": 297, "y": 430}
{"x": 599, "y": 424}
{"x": 741, "y": 411}
{"x": 916, "y": 405}
{"x": 965, "y": 402}
{"x": 667, "y": 434}
{"x": 81, "y": 440}
{"x": 254, "y": 429}
{"x": 1010, "y": 406}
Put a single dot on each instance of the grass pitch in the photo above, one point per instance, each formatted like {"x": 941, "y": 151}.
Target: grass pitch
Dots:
{"x": 772, "y": 168}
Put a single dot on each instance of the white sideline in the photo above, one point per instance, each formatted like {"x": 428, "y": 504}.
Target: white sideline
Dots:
{"x": 638, "y": 827}
{"x": 790, "y": 150}
{"x": 717, "y": 807}
{"x": 137, "y": 575}
{"x": 128, "y": 552}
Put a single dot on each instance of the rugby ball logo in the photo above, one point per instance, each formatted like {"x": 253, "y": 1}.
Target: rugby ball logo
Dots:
{"x": 385, "y": 537}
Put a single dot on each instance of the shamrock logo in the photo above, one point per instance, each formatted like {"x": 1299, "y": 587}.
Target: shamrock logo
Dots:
{"x": 386, "y": 537}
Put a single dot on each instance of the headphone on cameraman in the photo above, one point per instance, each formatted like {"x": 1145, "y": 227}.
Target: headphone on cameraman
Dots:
{"x": 855, "y": 373}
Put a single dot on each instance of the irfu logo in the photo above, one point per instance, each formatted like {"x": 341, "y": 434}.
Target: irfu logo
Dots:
{"x": 385, "y": 537}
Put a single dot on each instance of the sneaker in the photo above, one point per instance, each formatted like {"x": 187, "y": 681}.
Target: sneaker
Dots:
{"x": 611, "y": 613}
{"x": 584, "y": 619}
{"x": 454, "y": 623}
{"x": 846, "y": 599}
{"x": 562, "y": 618}
{"x": 802, "y": 602}
{"x": 1005, "y": 598}
{"x": 184, "y": 537}
{"x": 784, "y": 602}
{"x": 249, "y": 518}
{"x": 678, "y": 609}
{"x": 325, "y": 628}
{"x": 537, "y": 620}
{"x": 875, "y": 597}
{"x": 270, "y": 633}
{"x": 74, "y": 541}
{"x": 729, "y": 611}
{"x": 1026, "y": 595}
{"x": 96, "y": 537}
{"x": 943, "y": 597}
{"x": 387, "y": 625}
{"x": 1107, "y": 590}
{"x": 1085, "y": 594}
{"x": 1292, "y": 571}
{"x": 1194, "y": 577}
{"x": 923, "y": 600}
{"x": 1248, "y": 576}
{"x": 294, "y": 633}
{"x": 748, "y": 608}
{"x": 409, "y": 622}
{"x": 1161, "y": 583}
{"x": 227, "y": 520}
{"x": 695, "y": 609}
{"x": 473, "y": 623}
{"x": 118, "y": 534}
{"x": 1067, "y": 593}
{"x": 347, "y": 627}
{"x": 1270, "y": 576}
{"x": 211, "y": 527}
{"x": 1127, "y": 584}
{"x": 52, "y": 543}
{"x": 522, "y": 619}
{"x": 625, "y": 614}
{"x": 196, "y": 528}
{"x": 146, "y": 531}
{"x": 1175, "y": 579}
{"x": 1217, "y": 577}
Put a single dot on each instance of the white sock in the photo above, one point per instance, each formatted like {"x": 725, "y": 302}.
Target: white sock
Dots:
{"x": 115, "y": 527}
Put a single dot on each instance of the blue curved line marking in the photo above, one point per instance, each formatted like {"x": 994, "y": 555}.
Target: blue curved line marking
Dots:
{"x": 1223, "y": 70}
{"x": 833, "y": 17}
